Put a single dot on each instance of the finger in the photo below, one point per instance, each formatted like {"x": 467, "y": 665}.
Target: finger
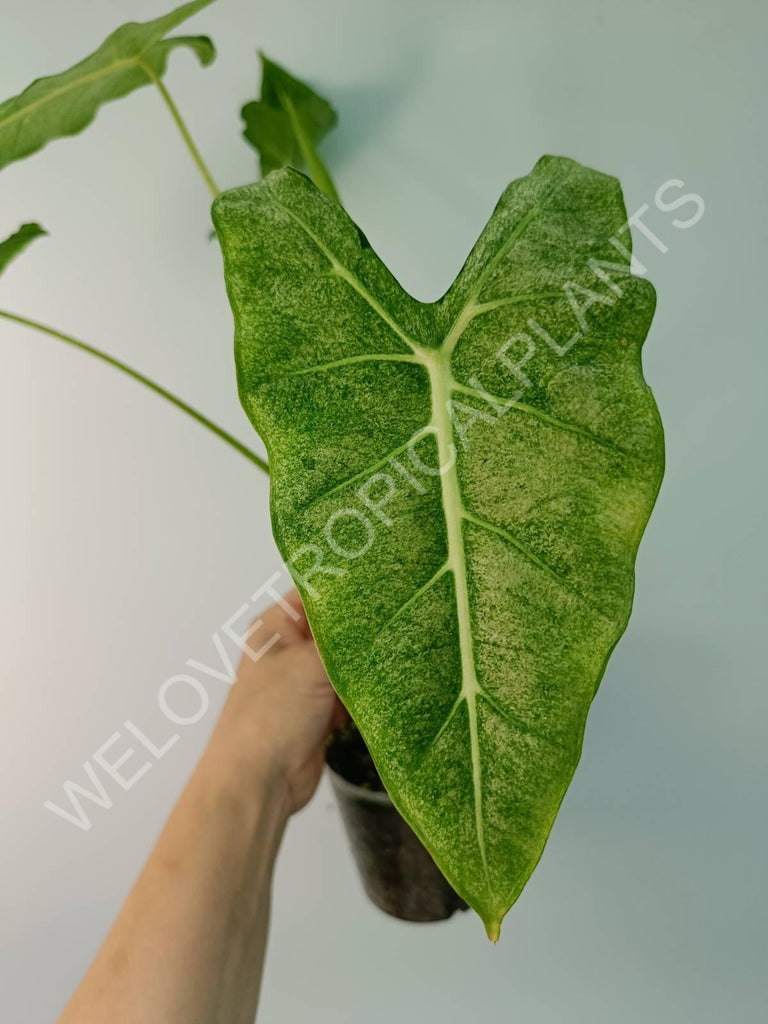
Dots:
{"x": 304, "y": 661}
{"x": 293, "y": 598}
{"x": 286, "y": 617}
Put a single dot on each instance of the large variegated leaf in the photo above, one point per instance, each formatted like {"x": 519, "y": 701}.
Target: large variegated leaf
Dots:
{"x": 64, "y": 104}
{"x": 466, "y": 615}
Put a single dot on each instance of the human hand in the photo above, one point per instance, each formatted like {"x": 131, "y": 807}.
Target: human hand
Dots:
{"x": 282, "y": 707}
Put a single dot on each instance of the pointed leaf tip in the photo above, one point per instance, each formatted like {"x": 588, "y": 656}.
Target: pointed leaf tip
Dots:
{"x": 18, "y": 241}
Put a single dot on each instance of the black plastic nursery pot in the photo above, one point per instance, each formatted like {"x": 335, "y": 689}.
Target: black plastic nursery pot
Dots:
{"x": 396, "y": 870}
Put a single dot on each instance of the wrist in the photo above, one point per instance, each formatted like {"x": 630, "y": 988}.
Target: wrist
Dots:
{"x": 242, "y": 764}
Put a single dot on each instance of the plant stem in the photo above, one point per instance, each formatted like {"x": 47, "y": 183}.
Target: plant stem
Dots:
{"x": 188, "y": 140}
{"x": 317, "y": 169}
{"x": 218, "y": 431}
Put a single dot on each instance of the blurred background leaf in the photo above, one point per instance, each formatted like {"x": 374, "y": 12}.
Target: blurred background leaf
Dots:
{"x": 17, "y": 243}
{"x": 287, "y": 123}
{"x": 135, "y": 54}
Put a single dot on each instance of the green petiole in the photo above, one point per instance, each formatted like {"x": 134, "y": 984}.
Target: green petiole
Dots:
{"x": 157, "y": 388}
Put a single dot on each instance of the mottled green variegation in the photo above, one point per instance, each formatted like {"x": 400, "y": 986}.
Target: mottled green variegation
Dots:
{"x": 468, "y": 636}
{"x": 64, "y": 104}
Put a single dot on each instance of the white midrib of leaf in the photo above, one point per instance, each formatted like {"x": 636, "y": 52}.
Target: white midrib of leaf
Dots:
{"x": 441, "y": 384}
{"x": 76, "y": 83}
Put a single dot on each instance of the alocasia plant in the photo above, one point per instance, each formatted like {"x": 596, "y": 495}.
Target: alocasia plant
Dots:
{"x": 459, "y": 487}
{"x": 465, "y": 613}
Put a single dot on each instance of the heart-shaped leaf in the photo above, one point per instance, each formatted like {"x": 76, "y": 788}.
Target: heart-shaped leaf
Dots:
{"x": 17, "y": 243}
{"x": 459, "y": 489}
{"x": 135, "y": 55}
{"x": 287, "y": 123}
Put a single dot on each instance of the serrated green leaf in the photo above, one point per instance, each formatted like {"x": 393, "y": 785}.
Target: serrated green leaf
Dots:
{"x": 465, "y": 617}
{"x": 287, "y": 123}
{"x": 17, "y": 243}
{"x": 66, "y": 103}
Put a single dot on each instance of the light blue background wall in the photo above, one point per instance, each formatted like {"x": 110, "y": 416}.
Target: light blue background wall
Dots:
{"x": 128, "y": 536}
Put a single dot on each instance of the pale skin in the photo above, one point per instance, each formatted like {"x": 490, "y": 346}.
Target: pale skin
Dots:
{"x": 188, "y": 945}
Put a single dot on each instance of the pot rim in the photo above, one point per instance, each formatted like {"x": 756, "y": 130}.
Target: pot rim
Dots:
{"x": 359, "y": 792}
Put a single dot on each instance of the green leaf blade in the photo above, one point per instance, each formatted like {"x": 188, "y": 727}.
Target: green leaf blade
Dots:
{"x": 469, "y": 636}
{"x": 64, "y": 104}
{"x": 18, "y": 242}
{"x": 287, "y": 123}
